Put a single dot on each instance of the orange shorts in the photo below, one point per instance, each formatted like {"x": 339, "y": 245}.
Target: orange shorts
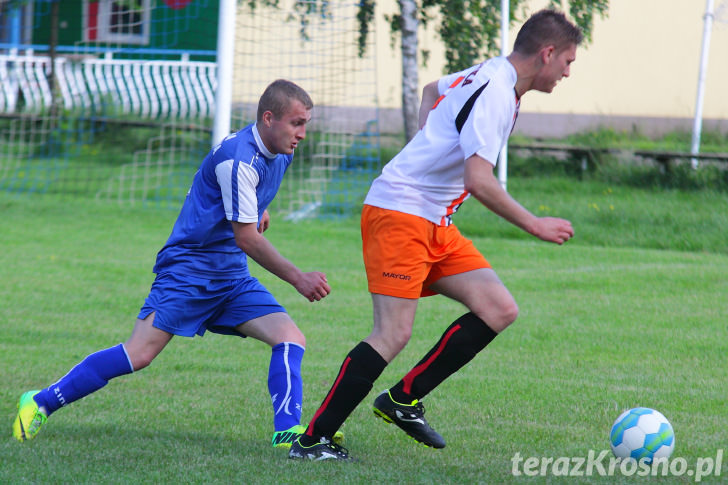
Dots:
{"x": 405, "y": 254}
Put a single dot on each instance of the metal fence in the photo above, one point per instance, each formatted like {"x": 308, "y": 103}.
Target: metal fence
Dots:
{"x": 143, "y": 88}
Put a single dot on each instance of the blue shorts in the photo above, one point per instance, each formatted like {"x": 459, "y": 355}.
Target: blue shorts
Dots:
{"x": 186, "y": 305}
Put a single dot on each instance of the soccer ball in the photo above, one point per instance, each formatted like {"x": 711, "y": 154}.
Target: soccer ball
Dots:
{"x": 642, "y": 433}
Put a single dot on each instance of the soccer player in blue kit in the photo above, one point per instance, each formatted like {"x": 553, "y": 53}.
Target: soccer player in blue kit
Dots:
{"x": 202, "y": 278}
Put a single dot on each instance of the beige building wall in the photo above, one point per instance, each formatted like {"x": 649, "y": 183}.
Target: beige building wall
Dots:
{"x": 639, "y": 71}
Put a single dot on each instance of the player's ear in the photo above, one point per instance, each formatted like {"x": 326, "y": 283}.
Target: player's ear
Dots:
{"x": 547, "y": 53}
{"x": 268, "y": 118}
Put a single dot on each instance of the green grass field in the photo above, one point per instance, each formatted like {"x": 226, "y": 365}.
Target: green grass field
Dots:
{"x": 632, "y": 312}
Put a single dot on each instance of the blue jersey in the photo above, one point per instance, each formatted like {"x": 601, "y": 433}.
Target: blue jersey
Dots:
{"x": 236, "y": 182}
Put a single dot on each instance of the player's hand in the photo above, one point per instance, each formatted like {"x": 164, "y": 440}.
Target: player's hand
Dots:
{"x": 264, "y": 222}
{"x": 313, "y": 286}
{"x": 553, "y": 229}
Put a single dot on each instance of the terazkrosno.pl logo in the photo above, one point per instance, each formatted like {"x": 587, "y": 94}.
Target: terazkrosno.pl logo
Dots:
{"x": 597, "y": 464}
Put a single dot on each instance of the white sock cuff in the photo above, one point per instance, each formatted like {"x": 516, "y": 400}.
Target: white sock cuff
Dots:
{"x": 297, "y": 345}
{"x": 127, "y": 356}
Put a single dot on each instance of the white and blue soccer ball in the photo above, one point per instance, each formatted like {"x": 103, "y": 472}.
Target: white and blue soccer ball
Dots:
{"x": 642, "y": 433}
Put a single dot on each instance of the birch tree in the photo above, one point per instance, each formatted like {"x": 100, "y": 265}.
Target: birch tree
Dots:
{"x": 469, "y": 30}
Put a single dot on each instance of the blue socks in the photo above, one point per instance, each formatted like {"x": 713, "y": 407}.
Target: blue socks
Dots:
{"x": 94, "y": 372}
{"x": 90, "y": 375}
{"x": 285, "y": 385}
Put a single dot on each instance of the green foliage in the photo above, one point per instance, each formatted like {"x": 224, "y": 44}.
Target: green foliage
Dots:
{"x": 711, "y": 141}
{"x": 364, "y": 16}
{"x": 585, "y": 12}
{"x": 304, "y": 10}
{"x": 611, "y": 160}
{"x": 87, "y": 156}
{"x": 470, "y": 29}
{"x": 611, "y": 214}
{"x": 253, "y": 4}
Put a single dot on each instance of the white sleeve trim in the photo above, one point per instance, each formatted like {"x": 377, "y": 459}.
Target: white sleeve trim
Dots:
{"x": 246, "y": 209}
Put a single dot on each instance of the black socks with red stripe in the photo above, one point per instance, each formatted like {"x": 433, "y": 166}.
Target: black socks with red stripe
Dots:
{"x": 355, "y": 379}
{"x": 462, "y": 341}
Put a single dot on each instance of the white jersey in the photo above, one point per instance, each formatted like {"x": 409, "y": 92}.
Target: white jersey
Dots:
{"x": 475, "y": 114}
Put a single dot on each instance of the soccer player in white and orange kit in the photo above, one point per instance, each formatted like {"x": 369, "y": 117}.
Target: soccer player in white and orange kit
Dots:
{"x": 412, "y": 249}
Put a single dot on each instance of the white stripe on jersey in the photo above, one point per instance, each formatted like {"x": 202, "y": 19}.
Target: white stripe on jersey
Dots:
{"x": 247, "y": 179}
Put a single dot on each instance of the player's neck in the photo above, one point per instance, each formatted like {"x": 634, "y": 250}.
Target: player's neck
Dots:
{"x": 525, "y": 71}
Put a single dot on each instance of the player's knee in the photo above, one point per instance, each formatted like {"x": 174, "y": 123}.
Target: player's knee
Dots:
{"x": 140, "y": 360}
{"x": 389, "y": 343}
{"x": 297, "y": 337}
{"x": 289, "y": 333}
{"x": 400, "y": 338}
{"x": 508, "y": 312}
{"x": 500, "y": 316}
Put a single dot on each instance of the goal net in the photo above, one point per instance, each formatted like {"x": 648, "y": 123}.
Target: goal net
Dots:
{"x": 314, "y": 44}
{"x": 114, "y": 99}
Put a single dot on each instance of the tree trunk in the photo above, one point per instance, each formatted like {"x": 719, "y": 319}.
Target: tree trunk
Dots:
{"x": 410, "y": 82}
{"x": 53, "y": 43}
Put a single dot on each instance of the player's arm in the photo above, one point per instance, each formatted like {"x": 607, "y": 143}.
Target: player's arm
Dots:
{"x": 430, "y": 93}
{"x": 312, "y": 285}
{"x": 264, "y": 222}
{"x": 482, "y": 183}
